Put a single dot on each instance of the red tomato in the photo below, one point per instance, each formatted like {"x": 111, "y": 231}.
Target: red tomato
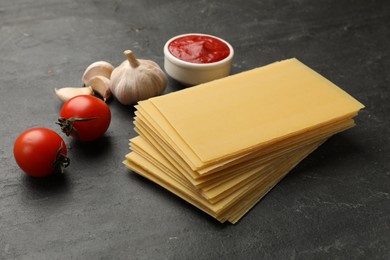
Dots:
{"x": 85, "y": 117}
{"x": 40, "y": 151}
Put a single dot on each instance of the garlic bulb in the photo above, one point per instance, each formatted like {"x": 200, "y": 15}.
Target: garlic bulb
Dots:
{"x": 136, "y": 80}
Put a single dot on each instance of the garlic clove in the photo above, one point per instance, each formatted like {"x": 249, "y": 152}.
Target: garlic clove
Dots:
{"x": 98, "y": 68}
{"x": 100, "y": 85}
{"x": 64, "y": 94}
{"x": 136, "y": 79}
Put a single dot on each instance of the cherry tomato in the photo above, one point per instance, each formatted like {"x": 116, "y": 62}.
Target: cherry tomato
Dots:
{"x": 40, "y": 151}
{"x": 85, "y": 117}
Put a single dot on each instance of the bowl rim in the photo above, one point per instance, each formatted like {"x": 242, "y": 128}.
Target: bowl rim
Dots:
{"x": 183, "y": 63}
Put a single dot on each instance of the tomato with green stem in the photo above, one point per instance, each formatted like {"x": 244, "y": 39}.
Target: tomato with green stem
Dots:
{"x": 85, "y": 117}
{"x": 40, "y": 152}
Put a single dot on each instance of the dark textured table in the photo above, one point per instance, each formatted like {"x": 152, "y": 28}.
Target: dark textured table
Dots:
{"x": 334, "y": 205}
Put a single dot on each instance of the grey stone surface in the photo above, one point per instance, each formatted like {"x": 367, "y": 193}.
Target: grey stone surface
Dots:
{"x": 334, "y": 205}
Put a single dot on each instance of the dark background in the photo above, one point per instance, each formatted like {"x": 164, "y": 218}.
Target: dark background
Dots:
{"x": 334, "y": 205}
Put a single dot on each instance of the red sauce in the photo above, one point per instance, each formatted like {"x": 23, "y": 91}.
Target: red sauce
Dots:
{"x": 199, "y": 49}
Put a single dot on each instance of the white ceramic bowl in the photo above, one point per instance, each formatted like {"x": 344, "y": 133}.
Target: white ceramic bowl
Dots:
{"x": 189, "y": 73}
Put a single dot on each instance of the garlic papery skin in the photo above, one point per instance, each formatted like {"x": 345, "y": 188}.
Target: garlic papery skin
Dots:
{"x": 136, "y": 79}
{"x": 101, "y": 85}
{"x": 64, "y": 94}
{"x": 98, "y": 68}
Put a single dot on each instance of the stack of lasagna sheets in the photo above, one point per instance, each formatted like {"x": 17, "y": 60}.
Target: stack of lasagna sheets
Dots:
{"x": 223, "y": 145}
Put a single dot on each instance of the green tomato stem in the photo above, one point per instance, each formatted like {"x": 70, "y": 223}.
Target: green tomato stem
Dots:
{"x": 67, "y": 126}
{"x": 61, "y": 161}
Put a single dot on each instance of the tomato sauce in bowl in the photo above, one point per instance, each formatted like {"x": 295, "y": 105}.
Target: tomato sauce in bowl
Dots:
{"x": 196, "y": 58}
{"x": 199, "y": 49}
